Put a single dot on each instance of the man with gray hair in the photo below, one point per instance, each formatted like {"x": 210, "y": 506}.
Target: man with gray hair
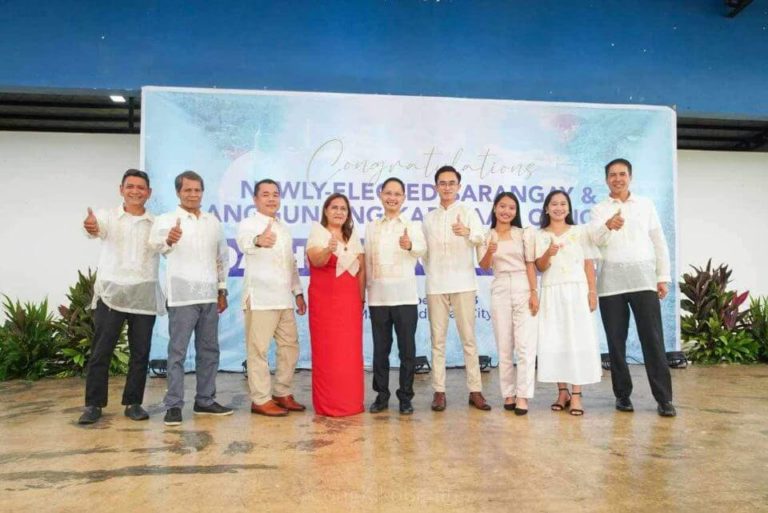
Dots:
{"x": 196, "y": 273}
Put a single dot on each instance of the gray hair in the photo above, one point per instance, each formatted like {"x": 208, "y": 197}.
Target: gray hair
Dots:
{"x": 189, "y": 175}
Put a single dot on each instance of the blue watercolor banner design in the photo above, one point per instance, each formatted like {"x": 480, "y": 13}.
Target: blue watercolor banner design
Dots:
{"x": 314, "y": 144}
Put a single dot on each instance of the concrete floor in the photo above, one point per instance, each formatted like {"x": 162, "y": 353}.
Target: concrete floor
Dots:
{"x": 712, "y": 457}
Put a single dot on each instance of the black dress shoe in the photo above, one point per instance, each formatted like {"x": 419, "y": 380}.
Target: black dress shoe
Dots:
{"x": 172, "y": 417}
{"x": 212, "y": 409}
{"x": 90, "y": 415}
{"x": 666, "y": 409}
{"x": 510, "y": 406}
{"x": 521, "y": 411}
{"x": 624, "y": 404}
{"x": 378, "y": 406}
{"x": 406, "y": 408}
{"x": 136, "y": 412}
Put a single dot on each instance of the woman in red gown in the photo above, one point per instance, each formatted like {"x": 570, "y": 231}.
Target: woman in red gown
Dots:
{"x": 336, "y": 291}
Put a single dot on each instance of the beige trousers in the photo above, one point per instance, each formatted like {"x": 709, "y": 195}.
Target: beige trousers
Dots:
{"x": 260, "y": 327}
{"x": 515, "y": 330}
{"x": 463, "y": 305}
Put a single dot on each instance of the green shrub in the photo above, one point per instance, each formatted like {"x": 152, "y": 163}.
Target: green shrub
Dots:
{"x": 722, "y": 346}
{"x": 77, "y": 330}
{"x": 715, "y": 328}
{"x": 757, "y": 319}
{"x": 29, "y": 341}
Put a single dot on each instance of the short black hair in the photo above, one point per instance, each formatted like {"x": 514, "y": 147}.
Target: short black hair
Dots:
{"x": 265, "y": 181}
{"x": 393, "y": 179}
{"x": 189, "y": 175}
{"x": 137, "y": 173}
{"x": 618, "y": 161}
{"x": 448, "y": 169}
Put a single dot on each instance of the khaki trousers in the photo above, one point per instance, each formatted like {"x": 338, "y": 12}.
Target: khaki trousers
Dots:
{"x": 463, "y": 305}
{"x": 260, "y": 327}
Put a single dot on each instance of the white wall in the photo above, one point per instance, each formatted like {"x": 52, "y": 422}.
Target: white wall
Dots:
{"x": 48, "y": 180}
{"x": 723, "y": 214}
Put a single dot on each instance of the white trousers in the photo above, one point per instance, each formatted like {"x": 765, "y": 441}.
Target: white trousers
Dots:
{"x": 516, "y": 332}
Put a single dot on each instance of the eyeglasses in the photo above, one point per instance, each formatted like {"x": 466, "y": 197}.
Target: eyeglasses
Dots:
{"x": 452, "y": 183}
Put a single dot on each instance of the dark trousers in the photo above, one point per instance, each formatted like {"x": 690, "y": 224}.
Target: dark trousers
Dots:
{"x": 108, "y": 325}
{"x": 403, "y": 318}
{"x": 614, "y": 311}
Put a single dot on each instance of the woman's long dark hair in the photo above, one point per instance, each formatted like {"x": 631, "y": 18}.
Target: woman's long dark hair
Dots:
{"x": 349, "y": 224}
{"x": 515, "y": 220}
{"x": 545, "y": 220}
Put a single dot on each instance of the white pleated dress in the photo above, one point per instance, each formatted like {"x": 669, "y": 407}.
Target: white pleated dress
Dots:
{"x": 569, "y": 351}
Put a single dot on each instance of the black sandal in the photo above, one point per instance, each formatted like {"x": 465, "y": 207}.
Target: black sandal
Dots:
{"x": 576, "y": 412}
{"x": 560, "y": 407}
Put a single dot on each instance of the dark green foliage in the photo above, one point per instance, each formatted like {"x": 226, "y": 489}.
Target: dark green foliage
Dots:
{"x": 722, "y": 345}
{"x": 715, "y": 330}
{"x": 77, "y": 329}
{"x": 757, "y": 319}
{"x": 29, "y": 341}
{"x": 33, "y": 344}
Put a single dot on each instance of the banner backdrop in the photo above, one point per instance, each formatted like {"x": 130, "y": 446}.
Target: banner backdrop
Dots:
{"x": 314, "y": 144}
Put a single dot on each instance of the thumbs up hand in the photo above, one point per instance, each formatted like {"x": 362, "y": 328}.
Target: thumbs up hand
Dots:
{"x": 615, "y": 222}
{"x": 493, "y": 245}
{"x": 267, "y": 238}
{"x": 405, "y": 241}
{"x": 91, "y": 224}
{"x": 174, "y": 234}
{"x": 333, "y": 244}
{"x": 459, "y": 228}
{"x": 553, "y": 247}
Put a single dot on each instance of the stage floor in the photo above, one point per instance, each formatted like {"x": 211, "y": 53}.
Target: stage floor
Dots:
{"x": 712, "y": 457}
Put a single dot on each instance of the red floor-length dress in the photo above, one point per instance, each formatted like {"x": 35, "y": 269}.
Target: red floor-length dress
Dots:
{"x": 336, "y": 333}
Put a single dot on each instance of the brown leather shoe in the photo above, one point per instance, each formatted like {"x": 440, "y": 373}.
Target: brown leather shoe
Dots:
{"x": 289, "y": 403}
{"x": 438, "y": 401}
{"x": 270, "y": 409}
{"x": 477, "y": 400}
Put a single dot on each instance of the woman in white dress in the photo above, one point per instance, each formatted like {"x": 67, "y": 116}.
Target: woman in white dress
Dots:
{"x": 569, "y": 351}
{"x": 509, "y": 251}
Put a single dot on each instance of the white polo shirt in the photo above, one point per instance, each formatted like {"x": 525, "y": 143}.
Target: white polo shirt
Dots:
{"x": 450, "y": 260}
{"x": 199, "y": 263}
{"x": 126, "y": 278}
{"x": 390, "y": 270}
{"x": 635, "y": 257}
{"x": 271, "y": 275}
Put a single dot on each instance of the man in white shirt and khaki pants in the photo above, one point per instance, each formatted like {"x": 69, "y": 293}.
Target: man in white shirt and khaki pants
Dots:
{"x": 452, "y": 232}
{"x": 633, "y": 274}
{"x": 393, "y": 245}
{"x": 271, "y": 287}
